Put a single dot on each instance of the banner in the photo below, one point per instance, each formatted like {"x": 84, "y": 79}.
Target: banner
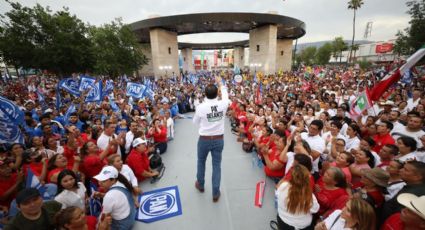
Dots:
{"x": 95, "y": 93}
{"x": 10, "y": 112}
{"x": 135, "y": 90}
{"x": 10, "y": 132}
{"x": 149, "y": 93}
{"x": 109, "y": 87}
{"x": 361, "y": 103}
{"x": 384, "y": 48}
{"x": 159, "y": 204}
{"x": 114, "y": 106}
{"x": 71, "y": 86}
{"x": 86, "y": 83}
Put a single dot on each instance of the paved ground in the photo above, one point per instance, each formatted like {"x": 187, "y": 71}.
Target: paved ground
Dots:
{"x": 235, "y": 209}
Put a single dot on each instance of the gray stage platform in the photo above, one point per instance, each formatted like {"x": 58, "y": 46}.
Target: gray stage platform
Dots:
{"x": 235, "y": 209}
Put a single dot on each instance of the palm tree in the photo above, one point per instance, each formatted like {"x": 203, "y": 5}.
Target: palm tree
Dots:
{"x": 354, "y": 5}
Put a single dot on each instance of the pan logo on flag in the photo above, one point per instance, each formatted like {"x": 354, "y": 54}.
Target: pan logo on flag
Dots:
{"x": 9, "y": 132}
{"x": 158, "y": 204}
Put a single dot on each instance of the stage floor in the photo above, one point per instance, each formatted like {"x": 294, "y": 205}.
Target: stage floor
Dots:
{"x": 235, "y": 210}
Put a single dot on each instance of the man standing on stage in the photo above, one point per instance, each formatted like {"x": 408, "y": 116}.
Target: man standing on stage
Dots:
{"x": 210, "y": 116}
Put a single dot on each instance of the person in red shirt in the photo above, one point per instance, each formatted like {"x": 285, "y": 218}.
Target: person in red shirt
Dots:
{"x": 383, "y": 136}
{"x": 159, "y": 134}
{"x": 58, "y": 163}
{"x": 410, "y": 217}
{"x": 93, "y": 159}
{"x": 274, "y": 167}
{"x": 9, "y": 183}
{"x": 138, "y": 160}
{"x": 331, "y": 186}
{"x": 75, "y": 218}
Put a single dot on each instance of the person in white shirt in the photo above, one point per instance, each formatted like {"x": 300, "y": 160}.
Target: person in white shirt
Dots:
{"x": 170, "y": 126}
{"x": 210, "y": 116}
{"x": 357, "y": 214}
{"x": 129, "y": 137}
{"x": 407, "y": 149}
{"x": 108, "y": 136}
{"x": 70, "y": 191}
{"x": 316, "y": 143}
{"x": 352, "y": 139}
{"x": 118, "y": 201}
{"x": 296, "y": 202}
{"x": 412, "y": 129}
{"x": 116, "y": 161}
{"x": 414, "y": 101}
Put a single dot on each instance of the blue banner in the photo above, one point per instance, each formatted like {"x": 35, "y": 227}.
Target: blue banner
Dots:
{"x": 135, "y": 90}
{"x": 10, "y": 132}
{"x": 109, "y": 87}
{"x": 86, "y": 83}
{"x": 33, "y": 182}
{"x": 114, "y": 106}
{"x": 150, "y": 94}
{"x": 10, "y": 111}
{"x": 95, "y": 93}
{"x": 70, "y": 85}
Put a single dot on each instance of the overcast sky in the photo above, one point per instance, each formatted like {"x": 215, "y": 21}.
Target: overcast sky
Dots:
{"x": 325, "y": 19}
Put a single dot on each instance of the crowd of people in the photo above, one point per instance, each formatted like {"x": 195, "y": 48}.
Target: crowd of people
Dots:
{"x": 333, "y": 170}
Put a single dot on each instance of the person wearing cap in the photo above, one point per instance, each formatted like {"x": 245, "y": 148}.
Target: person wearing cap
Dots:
{"x": 118, "y": 200}
{"x": 210, "y": 116}
{"x": 411, "y": 217}
{"x": 374, "y": 182}
{"x": 138, "y": 160}
{"x": 34, "y": 213}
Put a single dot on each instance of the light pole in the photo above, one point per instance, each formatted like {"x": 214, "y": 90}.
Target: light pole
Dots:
{"x": 166, "y": 68}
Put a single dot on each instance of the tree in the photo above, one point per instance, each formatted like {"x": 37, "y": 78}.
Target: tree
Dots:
{"x": 413, "y": 36}
{"x": 354, "y": 5}
{"x": 36, "y": 38}
{"x": 308, "y": 54}
{"x": 324, "y": 53}
{"x": 355, "y": 47}
{"x": 339, "y": 46}
{"x": 116, "y": 49}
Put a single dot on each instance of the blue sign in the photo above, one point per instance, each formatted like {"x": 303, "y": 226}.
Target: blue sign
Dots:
{"x": 9, "y": 132}
{"x": 95, "y": 93}
{"x": 86, "y": 83}
{"x": 109, "y": 87}
{"x": 159, "y": 204}
{"x": 135, "y": 90}
{"x": 70, "y": 85}
{"x": 10, "y": 111}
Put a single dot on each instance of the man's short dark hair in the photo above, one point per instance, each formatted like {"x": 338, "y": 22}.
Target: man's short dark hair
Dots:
{"x": 389, "y": 125}
{"x": 337, "y": 124}
{"x": 211, "y": 91}
{"x": 393, "y": 149}
{"x": 317, "y": 123}
{"x": 419, "y": 167}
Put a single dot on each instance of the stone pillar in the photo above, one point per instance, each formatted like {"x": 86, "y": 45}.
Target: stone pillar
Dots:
{"x": 147, "y": 70}
{"x": 262, "y": 49}
{"x": 238, "y": 55}
{"x": 283, "y": 54}
{"x": 187, "y": 60}
{"x": 165, "y": 53}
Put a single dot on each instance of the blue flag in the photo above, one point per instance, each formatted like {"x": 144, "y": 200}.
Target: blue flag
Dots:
{"x": 70, "y": 85}
{"x": 95, "y": 205}
{"x": 86, "y": 83}
{"x": 150, "y": 94}
{"x": 109, "y": 87}
{"x": 10, "y": 132}
{"x": 135, "y": 90}
{"x": 10, "y": 111}
{"x": 33, "y": 182}
{"x": 95, "y": 93}
{"x": 70, "y": 110}
{"x": 114, "y": 106}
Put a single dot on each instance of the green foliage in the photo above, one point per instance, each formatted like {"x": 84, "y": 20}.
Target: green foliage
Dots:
{"x": 61, "y": 43}
{"x": 413, "y": 36}
{"x": 324, "y": 53}
{"x": 338, "y": 47}
{"x": 307, "y": 55}
{"x": 116, "y": 49}
{"x": 364, "y": 64}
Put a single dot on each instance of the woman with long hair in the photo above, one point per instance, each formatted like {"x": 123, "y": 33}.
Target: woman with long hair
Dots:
{"x": 58, "y": 163}
{"x": 118, "y": 200}
{"x": 296, "y": 201}
{"x": 352, "y": 138}
{"x": 357, "y": 215}
{"x": 363, "y": 160}
{"x": 70, "y": 192}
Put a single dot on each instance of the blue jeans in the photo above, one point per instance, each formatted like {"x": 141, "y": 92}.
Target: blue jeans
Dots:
{"x": 215, "y": 147}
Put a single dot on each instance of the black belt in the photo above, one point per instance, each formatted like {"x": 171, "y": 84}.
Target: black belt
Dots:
{"x": 216, "y": 137}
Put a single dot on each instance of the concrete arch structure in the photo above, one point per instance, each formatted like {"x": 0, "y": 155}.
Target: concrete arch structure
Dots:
{"x": 270, "y": 39}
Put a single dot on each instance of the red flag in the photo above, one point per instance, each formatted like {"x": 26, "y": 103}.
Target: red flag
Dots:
{"x": 379, "y": 89}
{"x": 259, "y": 193}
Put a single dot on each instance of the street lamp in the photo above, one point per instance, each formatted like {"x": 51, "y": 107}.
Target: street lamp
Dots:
{"x": 166, "y": 68}
{"x": 255, "y": 65}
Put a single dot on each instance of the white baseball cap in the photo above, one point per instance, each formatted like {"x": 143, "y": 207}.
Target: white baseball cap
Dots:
{"x": 108, "y": 172}
{"x": 413, "y": 202}
{"x": 138, "y": 141}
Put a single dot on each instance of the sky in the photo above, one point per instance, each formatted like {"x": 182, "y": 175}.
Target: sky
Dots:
{"x": 324, "y": 19}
